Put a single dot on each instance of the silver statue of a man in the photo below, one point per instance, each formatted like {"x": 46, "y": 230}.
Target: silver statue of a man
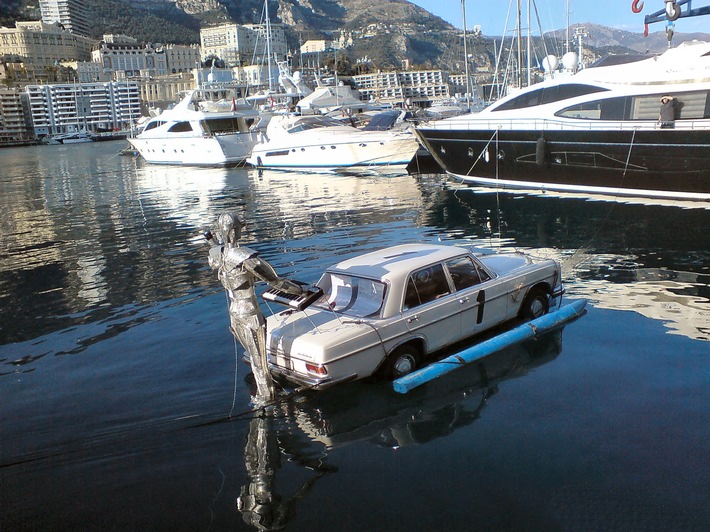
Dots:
{"x": 239, "y": 268}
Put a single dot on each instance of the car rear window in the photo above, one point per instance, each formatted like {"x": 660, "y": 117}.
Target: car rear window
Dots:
{"x": 354, "y": 296}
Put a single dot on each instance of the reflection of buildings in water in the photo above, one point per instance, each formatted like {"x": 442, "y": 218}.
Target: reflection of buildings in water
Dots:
{"x": 296, "y": 199}
{"x": 82, "y": 228}
{"x": 93, "y": 288}
{"x": 681, "y": 300}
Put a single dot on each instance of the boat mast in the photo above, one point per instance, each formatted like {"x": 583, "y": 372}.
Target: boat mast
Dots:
{"x": 268, "y": 43}
{"x": 520, "y": 50}
{"x": 567, "y": 39}
{"x": 529, "y": 51}
{"x": 465, "y": 57}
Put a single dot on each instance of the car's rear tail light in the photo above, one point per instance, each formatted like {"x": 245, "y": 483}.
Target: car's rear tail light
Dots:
{"x": 316, "y": 368}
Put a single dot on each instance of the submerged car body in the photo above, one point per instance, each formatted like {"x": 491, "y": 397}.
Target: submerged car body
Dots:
{"x": 384, "y": 312}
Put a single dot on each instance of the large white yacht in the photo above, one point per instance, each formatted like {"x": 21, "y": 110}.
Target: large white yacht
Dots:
{"x": 199, "y": 131}
{"x": 597, "y": 131}
{"x": 318, "y": 141}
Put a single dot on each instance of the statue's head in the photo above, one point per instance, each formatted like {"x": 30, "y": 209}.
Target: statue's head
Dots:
{"x": 230, "y": 225}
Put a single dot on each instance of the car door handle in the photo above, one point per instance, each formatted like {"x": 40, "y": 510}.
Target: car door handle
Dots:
{"x": 463, "y": 300}
{"x": 412, "y": 319}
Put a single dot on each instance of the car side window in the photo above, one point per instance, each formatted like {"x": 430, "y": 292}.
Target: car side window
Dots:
{"x": 466, "y": 273}
{"x": 426, "y": 285}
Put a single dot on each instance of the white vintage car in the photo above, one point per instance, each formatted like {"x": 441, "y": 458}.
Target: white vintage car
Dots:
{"x": 385, "y": 312}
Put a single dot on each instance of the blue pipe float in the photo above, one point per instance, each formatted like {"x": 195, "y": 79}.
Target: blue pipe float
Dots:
{"x": 526, "y": 331}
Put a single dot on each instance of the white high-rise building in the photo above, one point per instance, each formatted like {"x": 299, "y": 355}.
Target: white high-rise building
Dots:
{"x": 70, "y": 107}
{"x": 71, "y": 14}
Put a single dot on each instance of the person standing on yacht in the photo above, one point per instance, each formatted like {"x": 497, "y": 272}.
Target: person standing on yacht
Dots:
{"x": 667, "y": 116}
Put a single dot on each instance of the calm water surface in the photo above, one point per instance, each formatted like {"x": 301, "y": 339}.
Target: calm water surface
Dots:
{"x": 122, "y": 405}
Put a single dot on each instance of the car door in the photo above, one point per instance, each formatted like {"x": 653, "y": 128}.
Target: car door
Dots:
{"x": 481, "y": 298}
{"x": 430, "y": 308}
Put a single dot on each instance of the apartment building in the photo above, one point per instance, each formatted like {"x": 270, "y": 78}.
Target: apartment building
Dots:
{"x": 238, "y": 45}
{"x": 128, "y": 58}
{"x": 69, "y": 107}
{"x": 43, "y": 44}
{"x": 71, "y": 14}
{"x": 179, "y": 58}
{"x": 397, "y": 87}
{"x": 12, "y": 117}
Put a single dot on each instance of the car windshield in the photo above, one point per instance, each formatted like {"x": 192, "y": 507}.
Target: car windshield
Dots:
{"x": 354, "y": 296}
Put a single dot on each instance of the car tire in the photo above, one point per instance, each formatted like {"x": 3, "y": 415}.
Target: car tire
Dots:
{"x": 400, "y": 362}
{"x": 536, "y": 304}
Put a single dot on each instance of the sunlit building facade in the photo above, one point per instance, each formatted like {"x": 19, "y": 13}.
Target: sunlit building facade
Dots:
{"x": 71, "y": 14}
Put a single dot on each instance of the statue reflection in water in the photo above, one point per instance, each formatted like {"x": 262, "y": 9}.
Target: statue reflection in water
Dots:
{"x": 259, "y": 503}
{"x": 239, "y": 268}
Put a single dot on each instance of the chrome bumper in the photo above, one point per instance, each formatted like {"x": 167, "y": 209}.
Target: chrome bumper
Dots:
{"x": 308, "y": 381}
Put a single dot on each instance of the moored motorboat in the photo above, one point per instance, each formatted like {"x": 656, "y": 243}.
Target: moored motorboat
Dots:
{"x": 315, "y": 141}
{"x": 199, "y": 132}
{"x": 74, "y": 137}
{"x": 598, "y": 131}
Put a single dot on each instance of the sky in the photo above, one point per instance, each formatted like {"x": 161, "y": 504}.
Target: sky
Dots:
{"x": 491, "y": 14}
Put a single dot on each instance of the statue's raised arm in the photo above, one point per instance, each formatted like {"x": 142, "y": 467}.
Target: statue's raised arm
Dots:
{"x": 239, "y": 268}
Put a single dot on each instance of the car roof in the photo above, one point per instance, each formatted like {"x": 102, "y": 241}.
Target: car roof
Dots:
{"x": 385, "y": 263}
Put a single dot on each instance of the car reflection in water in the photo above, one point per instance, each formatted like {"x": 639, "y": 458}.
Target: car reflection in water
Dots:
{"x": 369, "y": 411}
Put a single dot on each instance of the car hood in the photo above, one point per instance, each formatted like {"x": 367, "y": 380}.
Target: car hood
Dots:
{"x": 316, "y": 336}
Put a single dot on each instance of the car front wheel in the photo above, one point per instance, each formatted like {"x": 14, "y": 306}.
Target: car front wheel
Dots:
{"x": 400, "y": 362}
{"x": 536, "y": 304}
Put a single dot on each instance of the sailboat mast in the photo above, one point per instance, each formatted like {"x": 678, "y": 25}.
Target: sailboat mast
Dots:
{"x": 465, "y": 56}
{"x": 567, "y": 41}
{"x": 529, "y": 47}
{"x": 520, "y": 50}
{"x": 268, "y": 43}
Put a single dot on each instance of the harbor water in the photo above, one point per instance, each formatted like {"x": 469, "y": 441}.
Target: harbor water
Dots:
{"x": 125, "y": 405}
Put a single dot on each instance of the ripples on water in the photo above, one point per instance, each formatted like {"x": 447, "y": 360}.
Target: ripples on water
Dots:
{"x": 117, "y": 369}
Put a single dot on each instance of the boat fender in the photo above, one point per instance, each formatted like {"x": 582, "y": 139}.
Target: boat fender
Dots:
{"x": 541, "y": 152}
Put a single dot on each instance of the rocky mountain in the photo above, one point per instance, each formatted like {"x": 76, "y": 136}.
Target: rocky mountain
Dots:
{"x": 386, "y": 32}
{"x": 604, "y": 38}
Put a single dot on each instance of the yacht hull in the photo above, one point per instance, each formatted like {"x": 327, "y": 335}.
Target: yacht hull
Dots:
{"x": 668, "y": 163}
{"x": 196, "y": 151}
{"x": 335, "y": 154}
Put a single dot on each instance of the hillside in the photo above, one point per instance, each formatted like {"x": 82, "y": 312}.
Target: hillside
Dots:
{"x": 385, "y": 31}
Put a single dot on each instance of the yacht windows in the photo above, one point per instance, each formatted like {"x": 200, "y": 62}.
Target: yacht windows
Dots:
{"x": 312, "y": 122}
{"x": 154, "y": 124}
{"x": 218, "y": 126}
{"x": 690, "y": 105}
{"x": 180, "y": 127}
{"x": 547, "y": 95}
